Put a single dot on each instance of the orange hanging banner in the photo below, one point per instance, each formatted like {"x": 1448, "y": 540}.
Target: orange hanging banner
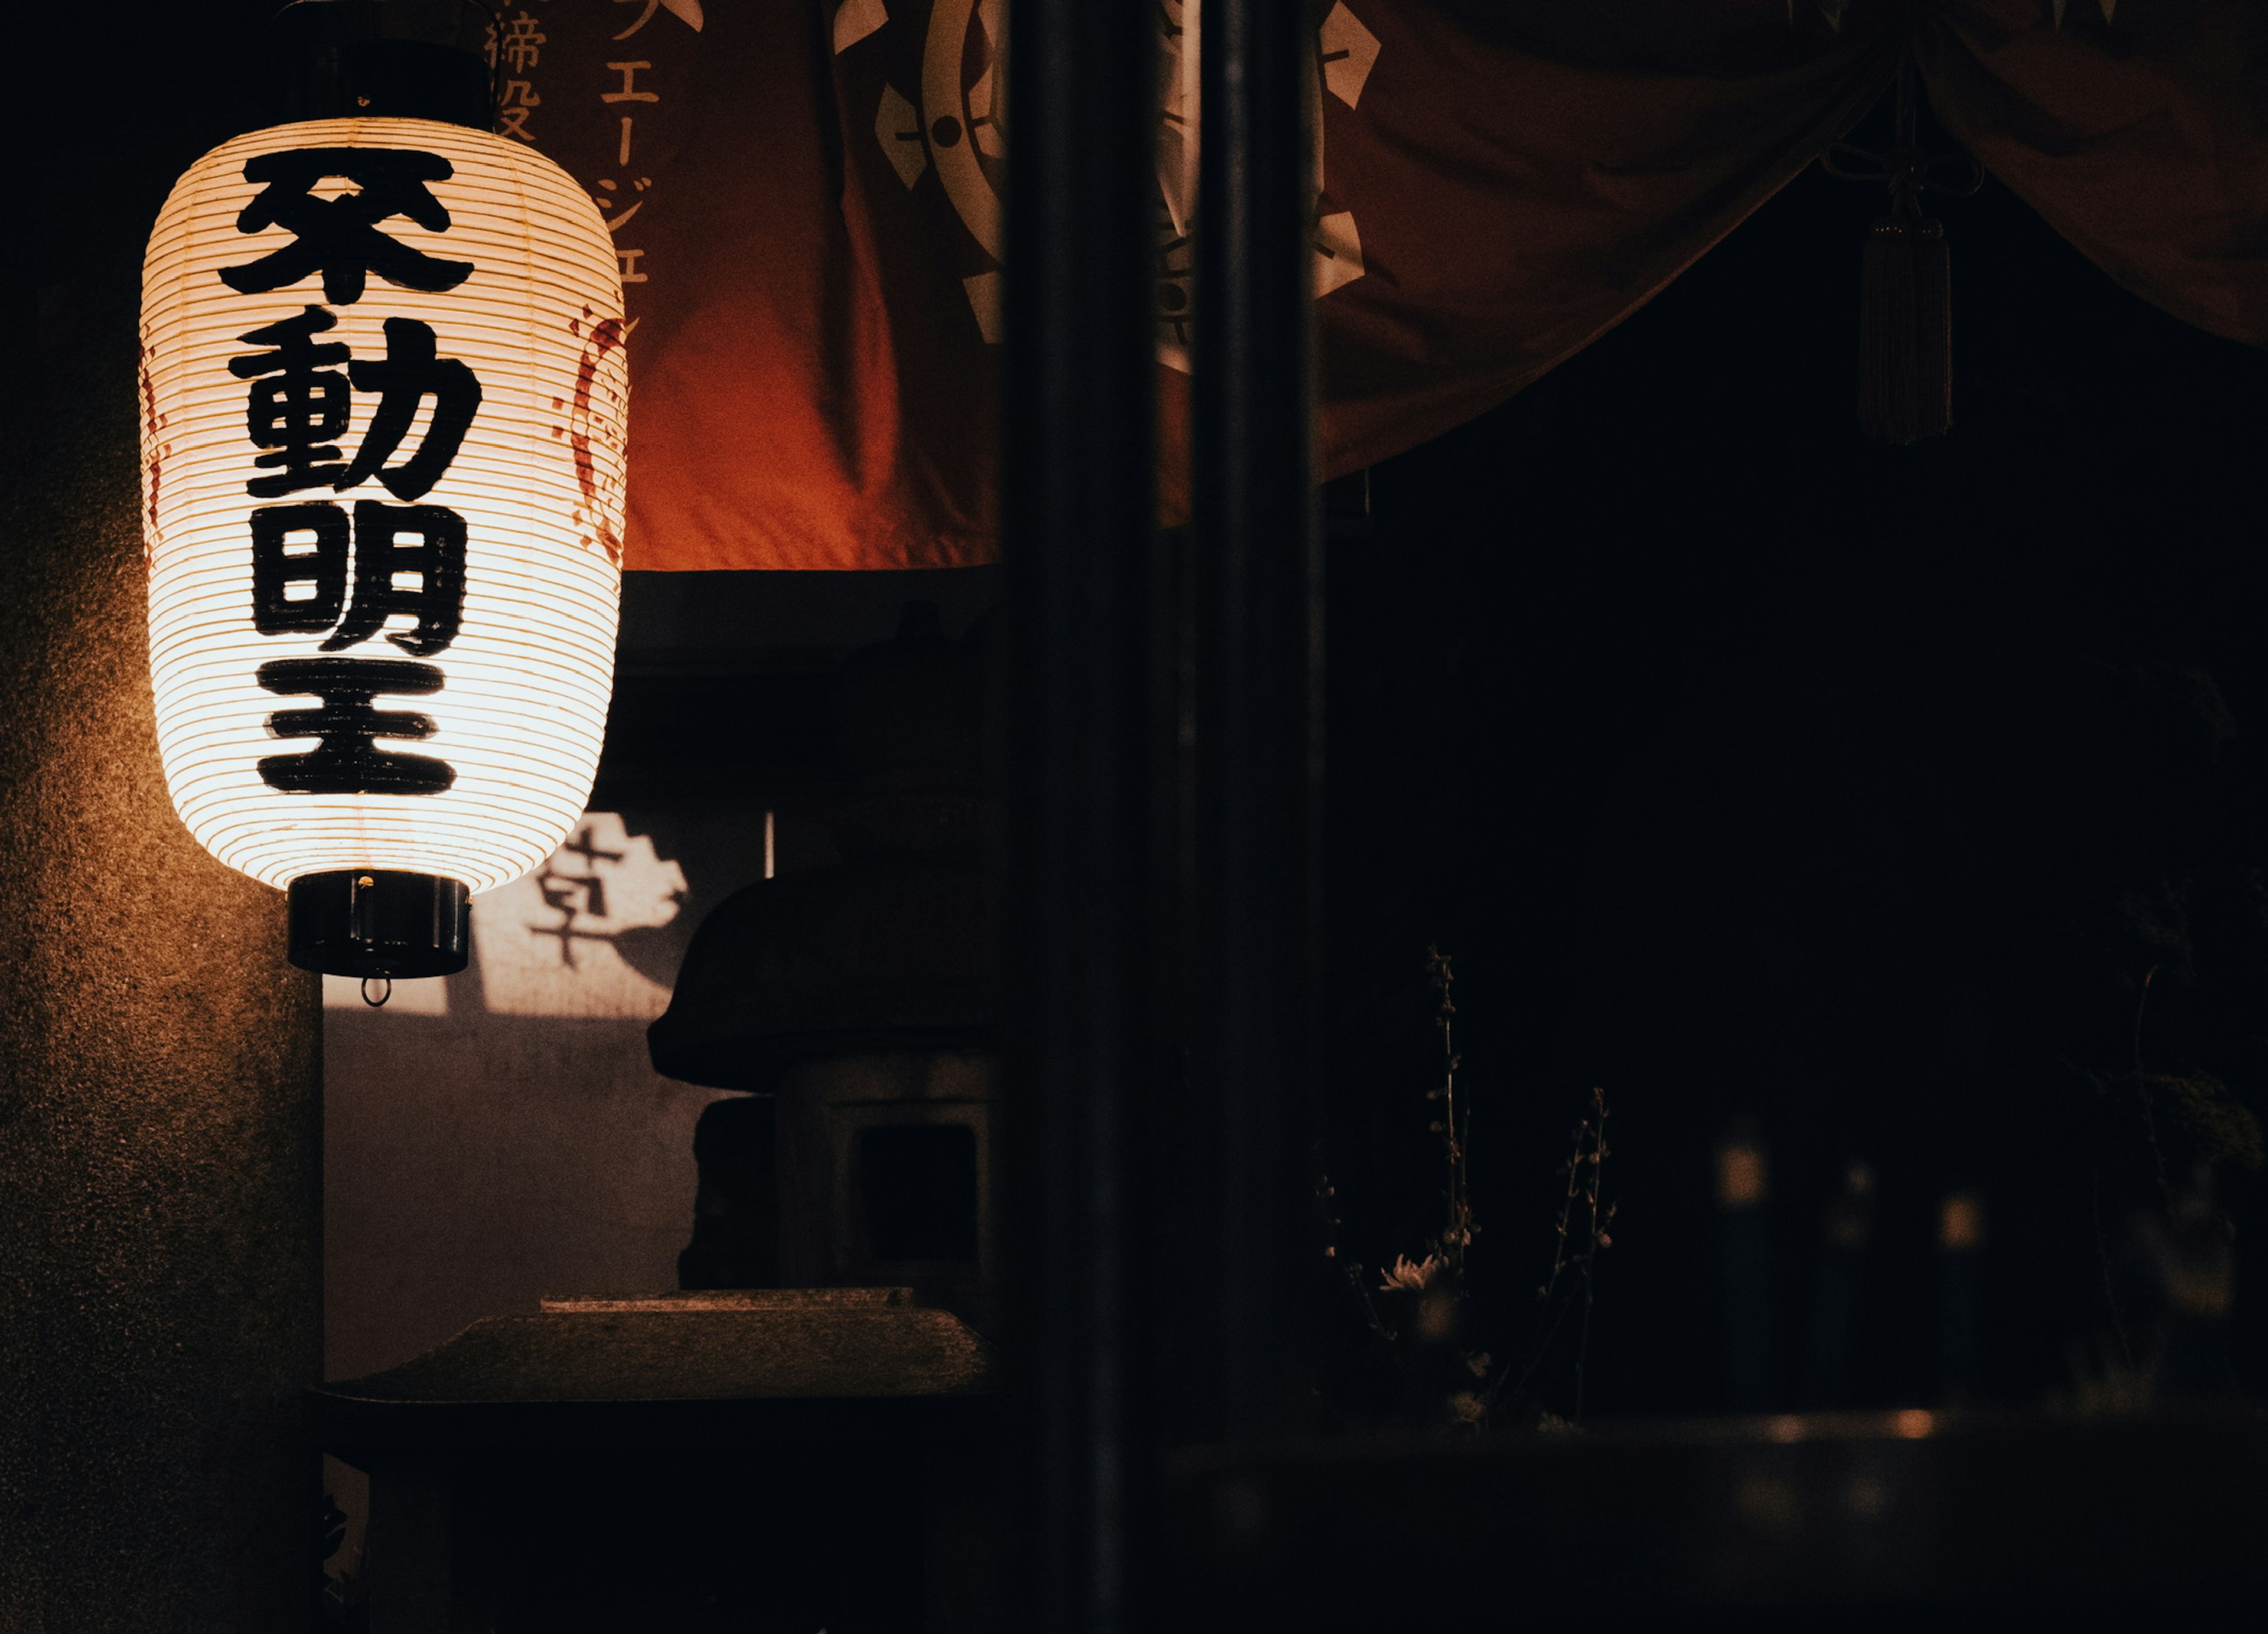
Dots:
{"x": 809, "y": 265}
{"x": 806, "y": 203}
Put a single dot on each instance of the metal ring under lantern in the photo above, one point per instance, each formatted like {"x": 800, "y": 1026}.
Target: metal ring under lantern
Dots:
{"x": 384, "y": 398}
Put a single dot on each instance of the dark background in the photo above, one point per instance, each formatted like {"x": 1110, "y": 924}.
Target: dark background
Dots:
{"x": 1745, "y": 767}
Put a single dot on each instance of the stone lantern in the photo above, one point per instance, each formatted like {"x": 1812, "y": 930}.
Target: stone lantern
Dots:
{"x": 857, "y": 997}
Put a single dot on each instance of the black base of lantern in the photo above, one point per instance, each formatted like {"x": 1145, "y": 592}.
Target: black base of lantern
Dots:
{"x": 378, "y": 922}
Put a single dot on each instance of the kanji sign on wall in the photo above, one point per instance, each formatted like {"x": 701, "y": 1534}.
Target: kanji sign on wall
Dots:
{"x": 384, "y": 393}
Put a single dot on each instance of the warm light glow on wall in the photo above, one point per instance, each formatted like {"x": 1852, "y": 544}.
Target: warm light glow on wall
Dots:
{"x": 384, "y": 396}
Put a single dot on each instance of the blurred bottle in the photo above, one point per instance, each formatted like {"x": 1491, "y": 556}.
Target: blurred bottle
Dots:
{"x": 1845, "y": 1235}
{"x": 1960, "y": 1296}
{"x": 1743, "y": 1187}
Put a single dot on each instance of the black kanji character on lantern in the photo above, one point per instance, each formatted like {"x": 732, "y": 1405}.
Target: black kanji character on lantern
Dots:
{"x": 347, "y": 760}
{"x": 438, "y": 560}
{"x": 302, "y": 410}
{"x": 299, "y": 404}
{"x": 277, "y": 571}
{"x": 339, "y": 237}
{"x": 435, "y": 560}
{"x": 409, "y": 374}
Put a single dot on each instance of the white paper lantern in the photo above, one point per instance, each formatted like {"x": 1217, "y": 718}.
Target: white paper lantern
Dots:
{"x": 384, "y": 393}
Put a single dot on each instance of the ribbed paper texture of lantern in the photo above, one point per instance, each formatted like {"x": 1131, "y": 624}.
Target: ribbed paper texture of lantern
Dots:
{"x": 380, "y": 635}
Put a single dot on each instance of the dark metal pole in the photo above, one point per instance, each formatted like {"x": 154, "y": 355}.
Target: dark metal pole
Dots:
{"x": 1077, "y": 523}
{"x": 1258, "y": 549}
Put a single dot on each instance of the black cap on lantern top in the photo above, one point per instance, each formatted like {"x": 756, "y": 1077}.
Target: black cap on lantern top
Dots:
{"x": 379, "y": 922}
{"x": 387, "y": 59}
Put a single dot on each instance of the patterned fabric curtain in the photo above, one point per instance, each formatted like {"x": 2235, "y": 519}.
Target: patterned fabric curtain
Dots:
{"x": 807, "y": 200}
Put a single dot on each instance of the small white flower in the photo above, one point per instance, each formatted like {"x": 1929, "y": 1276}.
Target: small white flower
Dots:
{"x": 1403, "y": 1277}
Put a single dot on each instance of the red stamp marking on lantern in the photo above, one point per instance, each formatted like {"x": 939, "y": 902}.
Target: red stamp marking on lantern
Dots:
{"x": 606, "y": 335}
{"x": 154, "y": 421}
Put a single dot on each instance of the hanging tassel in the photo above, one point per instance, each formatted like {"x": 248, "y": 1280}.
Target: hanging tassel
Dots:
{"x": 1906, "y": 331}
{"x": 1905, "y": 301}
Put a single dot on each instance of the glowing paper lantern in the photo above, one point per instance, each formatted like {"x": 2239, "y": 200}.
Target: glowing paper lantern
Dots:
{"x": 384, "y": 394}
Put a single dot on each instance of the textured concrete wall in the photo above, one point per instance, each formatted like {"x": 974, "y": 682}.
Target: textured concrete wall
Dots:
{"x": 500, "y": 1134}
{"x": 161, "y": 1115}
